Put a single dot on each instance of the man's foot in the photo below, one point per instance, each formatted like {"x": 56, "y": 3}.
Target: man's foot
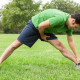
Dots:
{"x": 78, "y": 65}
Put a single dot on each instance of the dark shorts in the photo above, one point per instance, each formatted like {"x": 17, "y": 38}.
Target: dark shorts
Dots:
{"x": 30, "y": 35}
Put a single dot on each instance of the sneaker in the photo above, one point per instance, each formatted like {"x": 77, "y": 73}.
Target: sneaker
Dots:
{"x": 78, "y": 65}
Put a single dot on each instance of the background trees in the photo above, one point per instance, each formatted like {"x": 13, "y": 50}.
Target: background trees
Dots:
{"x": 16, "y": 14}
{"x": 0, "y": 22}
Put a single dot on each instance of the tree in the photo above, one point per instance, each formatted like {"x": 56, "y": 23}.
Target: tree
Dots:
{"x": 0, "y": 21}
{"x": 68, "y": 6}
{"x": 17, "y": 13}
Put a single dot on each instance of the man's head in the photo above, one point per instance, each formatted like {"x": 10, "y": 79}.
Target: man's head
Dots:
{"x": 73, "y": 21}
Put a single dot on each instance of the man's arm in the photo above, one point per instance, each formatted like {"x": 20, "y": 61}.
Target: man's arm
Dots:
{"x": 72, "y": 46}
{"x": 42, "y": 26}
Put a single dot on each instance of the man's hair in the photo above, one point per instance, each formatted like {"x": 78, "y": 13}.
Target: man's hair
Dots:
{"x": 76, "y": 17}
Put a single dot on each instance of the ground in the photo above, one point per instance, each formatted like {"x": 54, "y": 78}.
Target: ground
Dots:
{"x": 41, "y": 62}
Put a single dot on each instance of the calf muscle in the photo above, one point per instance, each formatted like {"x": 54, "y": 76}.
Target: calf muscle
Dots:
{"x": 9, "y": 50}
{"x": 65, "y": 52}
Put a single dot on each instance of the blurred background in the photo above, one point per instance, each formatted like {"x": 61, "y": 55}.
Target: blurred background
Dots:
{"x": 14, "y": 14}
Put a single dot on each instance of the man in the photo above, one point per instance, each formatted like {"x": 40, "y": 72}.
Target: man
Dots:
{"x": 43, "y": 26}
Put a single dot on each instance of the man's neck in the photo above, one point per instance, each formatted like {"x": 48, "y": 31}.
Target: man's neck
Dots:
{"x": 67, "y": 22}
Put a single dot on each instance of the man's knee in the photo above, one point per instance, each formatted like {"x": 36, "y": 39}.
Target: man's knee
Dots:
{"x": 15, "y": 44}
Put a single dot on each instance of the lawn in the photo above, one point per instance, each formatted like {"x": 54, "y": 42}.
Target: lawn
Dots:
{"x": 41, "y": 62}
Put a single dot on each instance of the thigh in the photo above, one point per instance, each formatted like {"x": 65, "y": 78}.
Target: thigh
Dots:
{"x": 57, "y": 44}
{"x": 28, "y": 36}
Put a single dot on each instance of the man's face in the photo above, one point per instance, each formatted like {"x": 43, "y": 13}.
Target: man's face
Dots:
{"x": 72, "y": 24}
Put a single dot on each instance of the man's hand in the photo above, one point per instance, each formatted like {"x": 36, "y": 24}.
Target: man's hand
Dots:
{"x": 78, "y": 59}
{"x": 42, "y": 26}
{"x": 44, "y": 37}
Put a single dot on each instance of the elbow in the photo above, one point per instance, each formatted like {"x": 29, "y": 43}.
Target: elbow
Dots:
{"x": 70, "y": 42}
{"x": 40, "y": 27}
{"x": 70, "y": 39}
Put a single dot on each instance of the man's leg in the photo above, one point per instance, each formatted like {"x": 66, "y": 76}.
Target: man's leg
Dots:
{"x": 65, "y": 52}
{"x": 9, "y": 50}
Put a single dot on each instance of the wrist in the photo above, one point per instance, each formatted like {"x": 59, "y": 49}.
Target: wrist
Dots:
{"x": 42, "y": 34}
{"x": 76, "y": 56}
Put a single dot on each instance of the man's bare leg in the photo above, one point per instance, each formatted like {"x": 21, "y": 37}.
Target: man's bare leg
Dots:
{"x": 9, "y": 50}
{"x": 65, "y": 52}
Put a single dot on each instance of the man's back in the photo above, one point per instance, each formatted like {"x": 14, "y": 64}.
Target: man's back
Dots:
{"x": 47, "y": 14}
{"x": 56, "y": 18}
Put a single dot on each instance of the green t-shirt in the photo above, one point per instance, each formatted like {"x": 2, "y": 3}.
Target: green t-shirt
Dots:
{"x": 57, "y": 21}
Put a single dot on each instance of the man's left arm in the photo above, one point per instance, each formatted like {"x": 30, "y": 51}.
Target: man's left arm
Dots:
{"x": 72, "y": 46}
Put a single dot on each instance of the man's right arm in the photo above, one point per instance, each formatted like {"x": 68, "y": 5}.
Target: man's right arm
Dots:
{"x": 42, "y": 26}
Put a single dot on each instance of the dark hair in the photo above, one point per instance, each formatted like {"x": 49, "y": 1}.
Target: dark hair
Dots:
{"x": 76, "y": 17}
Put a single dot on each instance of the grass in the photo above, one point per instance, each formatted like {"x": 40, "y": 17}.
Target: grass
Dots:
{"x": 41, "y": 62}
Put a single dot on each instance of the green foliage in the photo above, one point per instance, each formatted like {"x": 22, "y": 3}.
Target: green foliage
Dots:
{"x": 68, "y": 6}
{"x": 1, "y": 30}
{"x": 17, "y": 13}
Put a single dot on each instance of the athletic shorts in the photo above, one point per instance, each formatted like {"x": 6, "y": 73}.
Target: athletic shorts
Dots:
{"x": 30, "y": 35}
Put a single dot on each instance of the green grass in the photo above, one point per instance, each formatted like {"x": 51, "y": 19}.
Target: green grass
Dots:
{"x": 41, "y": 62}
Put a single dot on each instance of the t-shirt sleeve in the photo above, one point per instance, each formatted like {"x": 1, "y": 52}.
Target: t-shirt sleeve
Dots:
{"x": 69, "y": 32}
{"x": 54, "y": 21}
